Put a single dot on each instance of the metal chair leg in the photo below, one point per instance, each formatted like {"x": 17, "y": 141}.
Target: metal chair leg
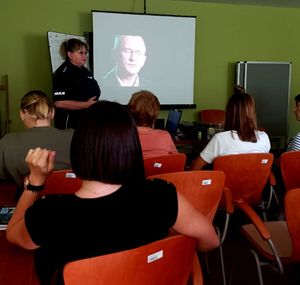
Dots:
{"x": 221, "y": 249}
{"x": 257, "y": 262}
{"x": 222, "y": 264}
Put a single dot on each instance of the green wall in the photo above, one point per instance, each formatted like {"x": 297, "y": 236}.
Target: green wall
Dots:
{"x": 224, "y": 34}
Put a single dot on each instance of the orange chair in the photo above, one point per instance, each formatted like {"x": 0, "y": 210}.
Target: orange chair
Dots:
{"x": 61, "y": 182}
{"x": 164, "y": 164}
{"x": 290, "y": 169}
{"x": 246, "y": 177}
{"x": 278, "y": 242}
{"x": 8, "y": 192}
{"x": 212, "y": 116}
{"x": 170, "y": 261}
{"x": 204, "y": 190}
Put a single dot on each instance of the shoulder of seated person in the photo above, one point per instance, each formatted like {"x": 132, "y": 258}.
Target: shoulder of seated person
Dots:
{"x": 159, "y": 182}
{"x": 161, "y": 131}
{"x": 54, "y": 197}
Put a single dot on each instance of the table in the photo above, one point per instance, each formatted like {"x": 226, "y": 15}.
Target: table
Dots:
{"x": 16, "y": 264}
{"x": 191, "y": 147}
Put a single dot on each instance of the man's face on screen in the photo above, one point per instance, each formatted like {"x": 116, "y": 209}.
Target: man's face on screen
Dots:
{"x": 131, "y": 55}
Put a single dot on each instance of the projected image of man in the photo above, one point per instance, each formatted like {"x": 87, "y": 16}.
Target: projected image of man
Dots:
{"x": 129, "y": 54}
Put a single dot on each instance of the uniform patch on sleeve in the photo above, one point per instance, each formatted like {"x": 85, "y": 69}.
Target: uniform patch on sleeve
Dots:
{"x": 59, "y": 93}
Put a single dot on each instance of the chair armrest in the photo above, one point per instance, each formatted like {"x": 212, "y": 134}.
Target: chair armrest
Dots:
{"x": 228, "y": 200}
{"x": 255, "y": 219}
{"x": 272, "y": 179}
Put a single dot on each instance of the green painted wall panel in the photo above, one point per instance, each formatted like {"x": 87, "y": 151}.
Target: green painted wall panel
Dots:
{"x": 224, "y": 34}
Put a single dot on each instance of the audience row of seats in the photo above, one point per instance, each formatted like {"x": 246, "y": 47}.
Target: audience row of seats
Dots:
{"x": 237, "y": 181}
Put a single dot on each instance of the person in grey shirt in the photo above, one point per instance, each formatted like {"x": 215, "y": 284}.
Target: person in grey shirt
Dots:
{"x": 36, "y": 113}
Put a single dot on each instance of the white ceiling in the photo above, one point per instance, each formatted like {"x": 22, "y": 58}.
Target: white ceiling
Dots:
{"x": 270, "y": 3}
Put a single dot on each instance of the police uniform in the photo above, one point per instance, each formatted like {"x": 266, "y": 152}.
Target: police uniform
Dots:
{"x": 72, "y": 83}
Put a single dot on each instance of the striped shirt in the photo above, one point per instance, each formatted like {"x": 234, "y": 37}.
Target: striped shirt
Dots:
{"x": 294, "y": 144}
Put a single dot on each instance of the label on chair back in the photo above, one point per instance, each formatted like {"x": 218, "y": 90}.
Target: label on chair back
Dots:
{"x": 264, "y": 161}
{"x": 206, "y": 182}
{"x": 155, "y": 256}
{"x": 70, "y": 175}
{"x": 157, "y": 164}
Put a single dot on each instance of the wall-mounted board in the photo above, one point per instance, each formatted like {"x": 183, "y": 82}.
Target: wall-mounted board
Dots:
{"x": 54, "y": 41}
{"x": 269, "y": 84}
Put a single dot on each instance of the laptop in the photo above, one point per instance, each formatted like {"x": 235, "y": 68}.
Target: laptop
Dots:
{"x": 173, "y": 120}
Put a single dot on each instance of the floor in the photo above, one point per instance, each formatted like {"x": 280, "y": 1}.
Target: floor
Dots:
{"x": 241, "y": 263}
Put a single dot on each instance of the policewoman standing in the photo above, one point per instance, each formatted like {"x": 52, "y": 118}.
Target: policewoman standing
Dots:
{"x": 74, "y": 87}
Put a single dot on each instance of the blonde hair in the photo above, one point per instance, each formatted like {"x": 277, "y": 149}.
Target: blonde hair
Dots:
{"x": 144, "y": 107}
{"x": 37, "y": 105}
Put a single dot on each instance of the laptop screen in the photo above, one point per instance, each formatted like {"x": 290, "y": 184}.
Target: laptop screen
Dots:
{"x": 173, "y": 121}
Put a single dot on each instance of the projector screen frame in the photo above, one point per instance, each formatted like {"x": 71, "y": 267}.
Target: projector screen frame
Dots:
{"x": 164, "y": 105}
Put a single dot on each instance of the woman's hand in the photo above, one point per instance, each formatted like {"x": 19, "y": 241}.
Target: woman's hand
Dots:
{"x": 41, "y": 163}
{"x": 91, "y": 101}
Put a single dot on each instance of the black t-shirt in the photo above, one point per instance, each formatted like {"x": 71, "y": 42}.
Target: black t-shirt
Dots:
{"x": 70, "y": 228}
{"x": 71, "y": 82}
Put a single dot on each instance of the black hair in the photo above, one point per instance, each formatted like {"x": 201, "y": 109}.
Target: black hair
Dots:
{"x": 106, "y": 147}
{"x": 297, "y": 98}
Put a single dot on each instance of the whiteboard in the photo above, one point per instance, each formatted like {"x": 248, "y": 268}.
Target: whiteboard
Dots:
{"x": 269, "y": 84}
{"x": 54, "y": 41}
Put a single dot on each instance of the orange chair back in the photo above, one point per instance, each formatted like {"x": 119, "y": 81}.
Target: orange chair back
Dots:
{"x": 165, "y": 262}
{"x": 61, "y": 182}
{"x": 290, "y": 169}
{"x": 292, "y": 212}
{"x": 246, "y": 174}
{"x": 164, "y": 164}
{"x": 212, "y": 116}
{"x": 8, "y": 192}
{"x": 202, "y": 188}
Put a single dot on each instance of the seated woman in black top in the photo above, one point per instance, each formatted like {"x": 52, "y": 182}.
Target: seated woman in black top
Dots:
{"x": 115, "y": 209}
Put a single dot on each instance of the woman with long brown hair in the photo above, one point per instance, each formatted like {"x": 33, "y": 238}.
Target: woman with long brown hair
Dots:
{"x": 241, "y": 134}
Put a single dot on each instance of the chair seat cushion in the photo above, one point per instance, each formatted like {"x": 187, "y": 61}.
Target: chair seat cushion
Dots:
{"x": 279, "y": 235}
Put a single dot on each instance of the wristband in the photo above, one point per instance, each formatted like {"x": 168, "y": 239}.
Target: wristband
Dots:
{"x": 31, "y": 187}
